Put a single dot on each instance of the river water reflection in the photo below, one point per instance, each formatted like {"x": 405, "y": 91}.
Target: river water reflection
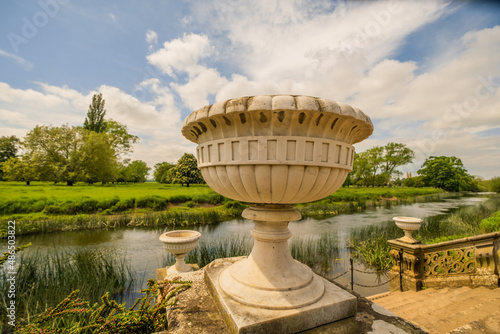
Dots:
{"x": 145, "y": 252}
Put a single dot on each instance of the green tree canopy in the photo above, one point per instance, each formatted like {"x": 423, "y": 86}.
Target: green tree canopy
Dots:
{"x": 447, "y": 173}
{"x": 121, "y": 140}
{"x": 162, "y": 172}
{"x": 186, "y": 171}
{"x": 395, "y": 155}
{"x": 95, "y": 116}
{"x": 377, "y": 165}
{"x": 9, "y": 147}
{"x": 16, "y": 169}
{"x": 495, "y": 184}
{"x": 57, "y": 152}
{"x": 98, "y": 158}
{"x": 135, "y": 171}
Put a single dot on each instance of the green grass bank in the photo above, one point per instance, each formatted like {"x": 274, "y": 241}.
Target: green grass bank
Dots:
{"x": 47, "y": 207}
{"x": 369, "y": 244}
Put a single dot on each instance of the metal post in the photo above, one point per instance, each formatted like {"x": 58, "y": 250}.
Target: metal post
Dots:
{"x": 352, "y": 273}
{"x": 401, "y": 270}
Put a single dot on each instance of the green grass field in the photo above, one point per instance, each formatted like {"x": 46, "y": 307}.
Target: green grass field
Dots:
{"x": 47, "y": 207}
{"x": 41, "y": 200}
{"x": 61, "y": 192}
{"x": 45, "y": 199}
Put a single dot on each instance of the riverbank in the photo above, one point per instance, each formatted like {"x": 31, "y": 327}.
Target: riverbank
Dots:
{"x": 319, "y": 243}
{"x": 44, "y": 208}
{"x": 370, "y": 244}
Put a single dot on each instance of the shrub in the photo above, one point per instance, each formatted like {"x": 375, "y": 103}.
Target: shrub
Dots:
{"x": 38, "y": 206}
{"x": 108, "y": 203}
{"x": 123, "y": 205}
{"x": 190, "y": 204}
{"x": 491, "y": 224}
{"x": 152, "y": 202}
{"x": 179, "y": 198}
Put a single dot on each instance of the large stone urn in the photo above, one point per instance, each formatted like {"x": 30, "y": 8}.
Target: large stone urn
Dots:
{"x": 271, "y": 152}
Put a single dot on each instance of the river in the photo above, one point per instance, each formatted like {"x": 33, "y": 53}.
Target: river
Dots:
{"x": 145, "y": 252}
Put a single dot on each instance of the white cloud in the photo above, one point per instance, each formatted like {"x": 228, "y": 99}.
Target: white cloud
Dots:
{"x": 195, "y": 92}
{"x": 342, "y": 50}
{"x": 157, "y": 123}
{"x": 181, "y": 55}
{"x": 20, "y": 60}
{"x": 184, "y": 56}
{"x": 151, "y": 39}
{"x": 301, "y": 40}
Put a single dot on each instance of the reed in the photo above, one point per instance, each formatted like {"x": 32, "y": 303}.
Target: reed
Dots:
{"x": 181, "y": 216}
{"x": 464, "y": 222}
{"x": 208, "y": 251}
{"x": 44, "y": 279}
{"x": 318, "y": 252}
{"x": 370, "y": 244}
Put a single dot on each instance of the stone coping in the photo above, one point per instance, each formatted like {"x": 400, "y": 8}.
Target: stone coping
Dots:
{"x": 425, "y": 247}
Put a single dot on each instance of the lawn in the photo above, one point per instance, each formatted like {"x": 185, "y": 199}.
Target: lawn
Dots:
{"x": 42, "y": 199}
{"x": 47, "y": 207}
{"x": 62, "y": 192}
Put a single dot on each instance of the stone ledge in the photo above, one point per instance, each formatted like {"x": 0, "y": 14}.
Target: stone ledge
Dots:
{"x": 196, "y": 312}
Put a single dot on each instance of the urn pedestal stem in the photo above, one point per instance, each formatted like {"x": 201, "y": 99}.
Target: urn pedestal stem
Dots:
{"x": 270, "y": 278}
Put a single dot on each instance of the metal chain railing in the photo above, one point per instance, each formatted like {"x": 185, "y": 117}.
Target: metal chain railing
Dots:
{"x": 377, "y": 285}
{"x": 352, "y": 269}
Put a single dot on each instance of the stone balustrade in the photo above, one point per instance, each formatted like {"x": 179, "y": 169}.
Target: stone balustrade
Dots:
{"x": 472, "y": 261}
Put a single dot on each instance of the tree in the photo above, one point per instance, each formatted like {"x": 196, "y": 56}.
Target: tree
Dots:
{"x": 495, "y": 184}
{"x": 162, "y": 172}
{"x": 361, "y": 170}
{"x": 186, "y": 171}
{"x": 8, "y": 149}
{"x": 139, "y": 170}
{"x": 16, "y": 169}
{"x": 447, "y": 173}
{"x": 57, "y": 152}
{"x": 121, "y": 140}
{"x": 396, "y": 154}
{"x": 98, "y": 158}
{"x": 135, "y": 171}
{"x": 95, "y": 116}
{"x": 377, "y": 165}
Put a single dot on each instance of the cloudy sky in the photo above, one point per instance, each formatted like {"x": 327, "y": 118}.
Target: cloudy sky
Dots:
{"x": 427, "y": 72}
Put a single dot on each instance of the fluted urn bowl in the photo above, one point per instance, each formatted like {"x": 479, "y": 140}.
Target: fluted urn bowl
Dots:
{"x": 276, "y": 149}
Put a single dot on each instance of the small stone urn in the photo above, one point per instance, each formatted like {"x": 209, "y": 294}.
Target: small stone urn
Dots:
{"x": 408, "y": 225}
{"x": 180, "y": 243}
{"x": 273, "y": 151}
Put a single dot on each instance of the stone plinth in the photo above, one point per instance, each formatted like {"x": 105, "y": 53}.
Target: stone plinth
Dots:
{"x": 332, "y": 305}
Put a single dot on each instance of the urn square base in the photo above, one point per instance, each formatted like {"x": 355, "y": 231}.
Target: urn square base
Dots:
{"x": 334, "y": 305}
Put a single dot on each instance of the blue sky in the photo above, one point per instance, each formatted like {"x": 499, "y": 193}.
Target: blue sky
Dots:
{"x": 426, "y": 72}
